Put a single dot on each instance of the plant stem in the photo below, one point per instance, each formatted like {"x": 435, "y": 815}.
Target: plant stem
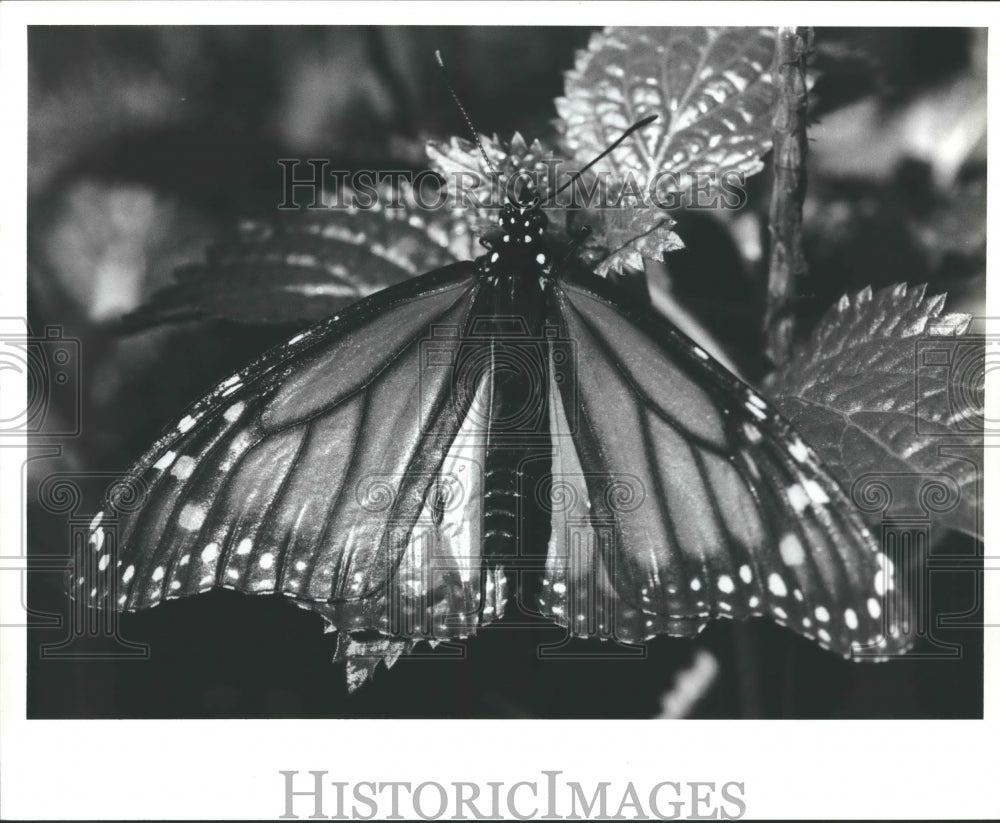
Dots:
{"x": 787, "y": 259}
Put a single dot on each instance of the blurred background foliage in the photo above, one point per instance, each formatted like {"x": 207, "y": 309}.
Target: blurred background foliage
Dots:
{"x": 146, "y": 145}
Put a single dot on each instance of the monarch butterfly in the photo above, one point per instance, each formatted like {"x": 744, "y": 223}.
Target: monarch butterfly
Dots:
{"x": 497, "y": 437}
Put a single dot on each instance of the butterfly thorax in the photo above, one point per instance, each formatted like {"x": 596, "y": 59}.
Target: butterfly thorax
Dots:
{"x": 518, "y": 247}
{"x": 507, "y": 337}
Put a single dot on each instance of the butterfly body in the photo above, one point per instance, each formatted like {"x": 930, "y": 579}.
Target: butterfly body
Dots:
{"x": 501, "y": 373}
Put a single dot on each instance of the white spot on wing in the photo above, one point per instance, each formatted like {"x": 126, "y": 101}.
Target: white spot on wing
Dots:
{"x": 798, "y": 497}
{"x": 210, "y": 553}
{"x": 822, "y": 615}
{"x": 165, "y": 461}
{"x": 745, "y": 574}
{"x": 104, "y": 562}
{"x": 776, "y": 585}
{"x": 816, "y": 492}
{"x": 695, "y": 584}
{"x": 158, "y": 573}
{"x": 887, "y": 571}
{"x": 266, "y": 560}
{"x": 791, "y": 550}
{"x": 798, "y": 450}
{"x": 851, "y": 619}
{"x": 233, "y": 412}
{"x": 129, "y": 572}
{"x": 726, "y": 584}
{"x": 874, "y": 609}
{"x": 230, "y": 385}
{"x": 186, "y": 423}
{"x": 191, "y": 517}
{"x": 96, "y": 521}
{"x": 183, "y": 467}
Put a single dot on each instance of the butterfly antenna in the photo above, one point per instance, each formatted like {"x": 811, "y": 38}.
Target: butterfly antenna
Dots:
{"x": 465, "y": 114}
{"x": 625, "y": 135}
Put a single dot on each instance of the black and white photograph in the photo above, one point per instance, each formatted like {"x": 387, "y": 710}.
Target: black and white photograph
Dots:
{"x": 441, "y": 369}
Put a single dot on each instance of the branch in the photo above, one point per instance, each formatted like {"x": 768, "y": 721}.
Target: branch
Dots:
{"x": 787, "y": 262}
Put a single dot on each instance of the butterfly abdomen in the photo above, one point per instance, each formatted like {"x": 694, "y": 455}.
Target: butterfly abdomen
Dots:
{"x": 516, "y": 524}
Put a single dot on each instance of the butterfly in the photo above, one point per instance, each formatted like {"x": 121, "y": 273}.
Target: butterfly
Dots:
{"x": 498, "y": 438}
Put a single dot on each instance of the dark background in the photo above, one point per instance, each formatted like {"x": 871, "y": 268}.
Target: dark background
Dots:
{"x": 147, "y": 144}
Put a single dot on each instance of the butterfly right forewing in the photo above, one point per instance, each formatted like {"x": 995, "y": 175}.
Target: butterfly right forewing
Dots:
{"x": 697, "y": 499}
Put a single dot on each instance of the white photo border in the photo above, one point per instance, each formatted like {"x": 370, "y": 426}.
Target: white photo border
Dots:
{"x": 222, "y": 769}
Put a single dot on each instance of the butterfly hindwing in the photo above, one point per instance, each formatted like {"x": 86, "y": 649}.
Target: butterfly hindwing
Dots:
{"x": 701, "y": 501}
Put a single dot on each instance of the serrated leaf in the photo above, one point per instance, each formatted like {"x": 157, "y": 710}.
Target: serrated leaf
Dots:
{"x": 308, "y": 265}
{"x": 889, "y": 387}
{"x": 626, "y": 236}
{"x": 710, "y": 86}
{"x": 364, "y": 655}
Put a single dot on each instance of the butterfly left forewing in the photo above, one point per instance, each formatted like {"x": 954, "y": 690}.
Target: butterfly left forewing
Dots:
{"x": 312, "y": 473}
{"x": 712, "y": 505}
